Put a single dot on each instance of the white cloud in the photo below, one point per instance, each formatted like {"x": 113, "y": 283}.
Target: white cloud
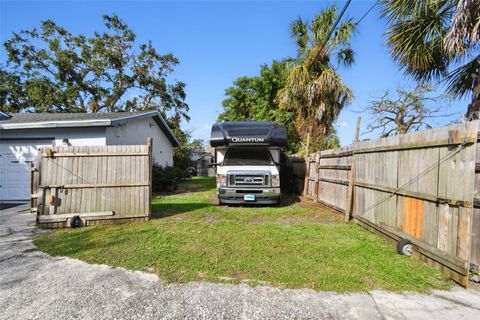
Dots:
{"x": 343, "y": 124}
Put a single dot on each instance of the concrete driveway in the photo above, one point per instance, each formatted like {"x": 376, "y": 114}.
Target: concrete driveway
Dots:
{"x": 34, "y": 285}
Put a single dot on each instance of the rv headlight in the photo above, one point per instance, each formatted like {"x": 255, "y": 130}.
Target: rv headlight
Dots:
{"x": 275, "y": 180}
{"x": 221, "y": 180}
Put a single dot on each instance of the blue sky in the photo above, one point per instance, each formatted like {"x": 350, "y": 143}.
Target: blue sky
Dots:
{"x": 219, "y": 41}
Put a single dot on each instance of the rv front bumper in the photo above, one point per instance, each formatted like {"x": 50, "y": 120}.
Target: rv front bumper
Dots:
{"x": 237, "y": 196}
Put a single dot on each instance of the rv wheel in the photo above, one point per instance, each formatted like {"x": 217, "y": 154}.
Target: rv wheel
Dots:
{"x": 75, "y": 222}
{"x": 404, "y": 247}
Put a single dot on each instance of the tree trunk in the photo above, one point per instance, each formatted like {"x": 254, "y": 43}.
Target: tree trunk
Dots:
{"x": 402, "y": 129}
{"x": 307, "y": 147}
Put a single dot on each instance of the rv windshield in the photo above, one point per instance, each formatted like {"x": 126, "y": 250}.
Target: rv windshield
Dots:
{"x": 248, "y": 157}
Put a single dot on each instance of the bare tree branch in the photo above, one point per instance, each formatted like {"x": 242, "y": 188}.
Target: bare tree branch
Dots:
{"x": 409, "y": 111}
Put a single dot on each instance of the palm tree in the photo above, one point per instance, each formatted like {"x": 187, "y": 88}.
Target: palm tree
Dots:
{"x": 314, "y": 91}
{"x": 430, "y": 38}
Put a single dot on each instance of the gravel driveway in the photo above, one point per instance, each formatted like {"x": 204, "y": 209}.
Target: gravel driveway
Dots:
{"x": 34, "y": 285}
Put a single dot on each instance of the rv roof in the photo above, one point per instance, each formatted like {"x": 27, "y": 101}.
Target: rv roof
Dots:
{"x": 248, "y": 133}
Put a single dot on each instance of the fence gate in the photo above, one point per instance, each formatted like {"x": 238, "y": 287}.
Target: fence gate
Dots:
{"x": 99, "y": 184}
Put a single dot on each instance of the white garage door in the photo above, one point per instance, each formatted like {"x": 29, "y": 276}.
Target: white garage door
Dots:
{"x": 15, "y": 159}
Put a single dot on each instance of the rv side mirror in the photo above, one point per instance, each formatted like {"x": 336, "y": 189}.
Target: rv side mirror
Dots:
{"x": 280, "y": 164}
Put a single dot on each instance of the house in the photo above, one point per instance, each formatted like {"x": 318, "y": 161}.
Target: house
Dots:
{"x": 201, "y": 163}
{"x": 22, "y": 135}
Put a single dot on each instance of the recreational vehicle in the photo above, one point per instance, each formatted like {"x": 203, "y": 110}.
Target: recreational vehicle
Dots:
{"x": 247, "y": 158}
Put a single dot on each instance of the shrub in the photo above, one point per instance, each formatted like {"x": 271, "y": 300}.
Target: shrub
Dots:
{"x": 166, "y": 178}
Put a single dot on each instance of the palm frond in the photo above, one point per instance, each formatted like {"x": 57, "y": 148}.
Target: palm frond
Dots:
{"x": 299, "y": 32}
{"x": 329, "y": 87}
{"x": 416, "y": 41}
{"x": 346, "y": 57}
{"x": 464, "y": 32}
{"x": 321, "y": 24}
{"x": 461, "y": 80}
{"x": 298, "y": 79}
{"x": 395, "y": 10}
{"x": 284, "y": 98}
{"x": 344, "y": 33}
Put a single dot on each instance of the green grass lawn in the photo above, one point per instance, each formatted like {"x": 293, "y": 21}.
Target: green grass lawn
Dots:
{"x": 295, "y": 245}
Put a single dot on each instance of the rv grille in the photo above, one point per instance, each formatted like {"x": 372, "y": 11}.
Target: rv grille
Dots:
{"x": 246, "y": 180}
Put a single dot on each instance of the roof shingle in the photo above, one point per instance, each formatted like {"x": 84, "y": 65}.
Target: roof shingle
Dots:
{"x": 55, "y": 120}
{"x": 48, "y": 117}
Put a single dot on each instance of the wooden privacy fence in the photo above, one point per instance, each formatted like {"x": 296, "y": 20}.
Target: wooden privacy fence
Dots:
{"x": 297, "y": 165}
{"x": 100, "y": 184}
{"x": 421, "y": 186}
{"x": 328, "y": 177}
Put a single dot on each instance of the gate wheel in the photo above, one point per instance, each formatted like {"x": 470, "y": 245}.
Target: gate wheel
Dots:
{"x": 404, "y": 247}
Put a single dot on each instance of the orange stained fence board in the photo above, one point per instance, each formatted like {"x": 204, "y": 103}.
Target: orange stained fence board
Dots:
{"x": 413, "y": 217}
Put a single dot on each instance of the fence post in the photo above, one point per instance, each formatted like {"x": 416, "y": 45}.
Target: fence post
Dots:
{"x": 40, "y": 191}
{"x": 33, "y": 188}
{"x": 307, "y": 177}
{"x": 150, "y": 167}
{"x": 351, "y": 180}
{"x": 316, "y": 175}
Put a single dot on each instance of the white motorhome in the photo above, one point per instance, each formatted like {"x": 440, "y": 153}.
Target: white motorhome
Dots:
{"x": 247, "y": 157}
